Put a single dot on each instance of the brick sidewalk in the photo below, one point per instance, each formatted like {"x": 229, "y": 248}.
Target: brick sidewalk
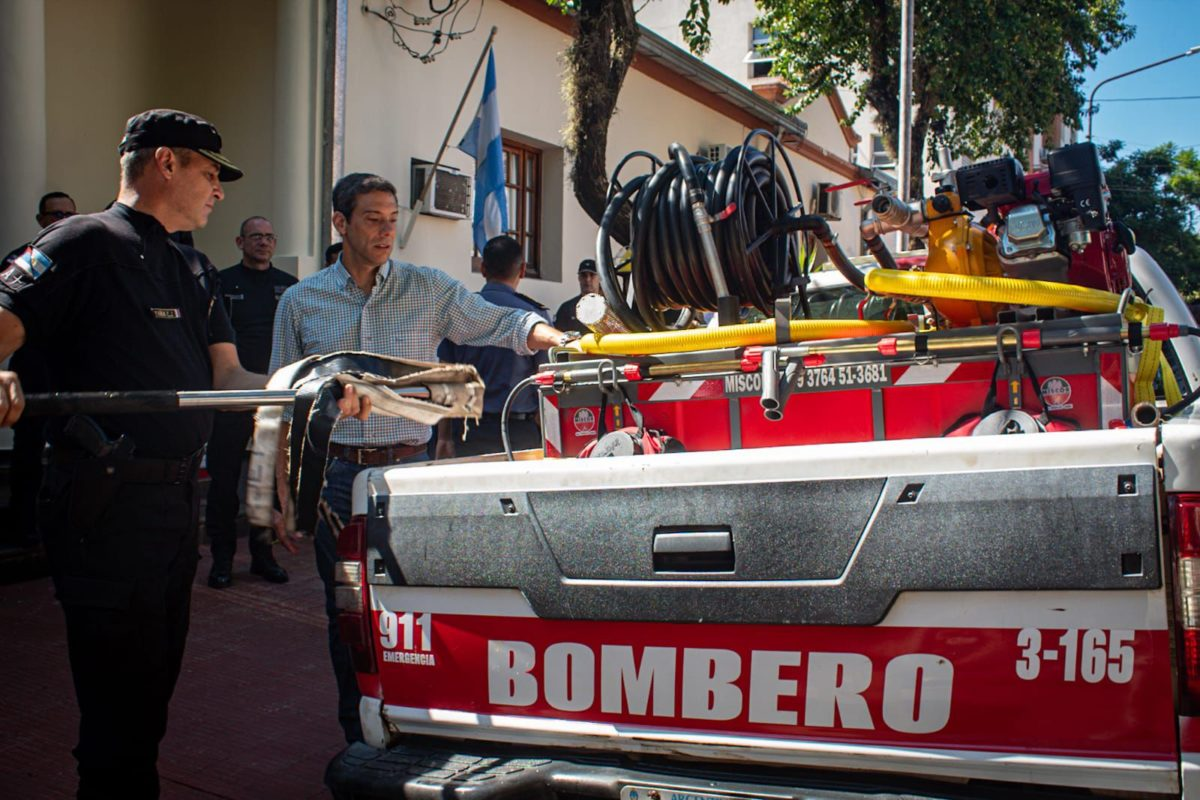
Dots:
{"x": 253, "y": 715}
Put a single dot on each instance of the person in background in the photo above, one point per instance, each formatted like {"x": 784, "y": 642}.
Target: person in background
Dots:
{"x": 29, "y": 435}
{"x": 332, "y": 253}
{"x": 500, "y": 368}
{"x": 250, "y": 290}
{"x": 589, "y": 283}
{"x": 367, "y": 301}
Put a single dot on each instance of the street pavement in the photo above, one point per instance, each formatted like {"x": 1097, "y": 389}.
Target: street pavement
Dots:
{"x": 254, "y": 714}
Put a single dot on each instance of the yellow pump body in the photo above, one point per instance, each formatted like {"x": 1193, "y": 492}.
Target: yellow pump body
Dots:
{"x": 958, "y": 246}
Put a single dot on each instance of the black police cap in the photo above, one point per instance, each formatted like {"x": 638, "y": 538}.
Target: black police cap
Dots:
{"x": 166, "y": 127}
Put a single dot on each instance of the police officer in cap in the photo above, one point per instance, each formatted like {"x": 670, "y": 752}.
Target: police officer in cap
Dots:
{"x": 589, "y": 283}
{"x": 117, "y": 306}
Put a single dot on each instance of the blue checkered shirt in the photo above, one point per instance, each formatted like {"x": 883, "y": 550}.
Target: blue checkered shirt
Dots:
{"x": 408, "y": 312}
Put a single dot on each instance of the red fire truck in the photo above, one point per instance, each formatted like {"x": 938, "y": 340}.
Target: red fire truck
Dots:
{"x": 817, "y": 568}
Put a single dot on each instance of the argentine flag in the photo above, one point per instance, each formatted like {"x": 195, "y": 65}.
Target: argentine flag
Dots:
{"x": 482, "y": 143}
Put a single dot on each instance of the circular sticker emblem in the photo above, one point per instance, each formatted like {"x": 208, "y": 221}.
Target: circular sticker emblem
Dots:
{"x": 585, "y": 422}
{"x": 1056, "y": 393}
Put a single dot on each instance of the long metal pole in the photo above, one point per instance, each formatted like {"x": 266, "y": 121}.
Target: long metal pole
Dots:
{"x": 341, "y": 40}
{"x": 167, "y": 400}
{"x": 904, "y": 137}
{"x": 417, "y": 206}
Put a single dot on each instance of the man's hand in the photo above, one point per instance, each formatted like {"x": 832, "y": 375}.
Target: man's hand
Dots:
{"x": 351, "y": 405}
{"x": 12, "y": 399}
{"x": 543, "y": 337}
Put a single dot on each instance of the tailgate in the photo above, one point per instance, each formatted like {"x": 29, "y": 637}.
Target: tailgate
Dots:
{"x": 987, "y": 608}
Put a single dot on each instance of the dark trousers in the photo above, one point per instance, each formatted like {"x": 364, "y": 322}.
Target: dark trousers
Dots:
{"x": 484, "y": 437}
{"x": 122, "y": 557}
{"x": 226, "y": 451}
{"x": 339, "y": 484}
{"x": 29, "y": 442}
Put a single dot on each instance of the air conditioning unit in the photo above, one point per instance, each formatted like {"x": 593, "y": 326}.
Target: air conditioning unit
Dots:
{"x": 826, "y": 203}
{"x": 713, "y": 152}
{"x": 450, "y": 194}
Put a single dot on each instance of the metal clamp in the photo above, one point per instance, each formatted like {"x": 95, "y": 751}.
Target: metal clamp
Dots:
{"x": 1014, "y": 369}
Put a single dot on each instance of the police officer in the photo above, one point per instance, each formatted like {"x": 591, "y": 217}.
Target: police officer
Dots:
{"x": 116, "y": 306}
{"x": 250, "y": 290}
{"x": 589, "y": 283}
{"x": 500, "y": 368}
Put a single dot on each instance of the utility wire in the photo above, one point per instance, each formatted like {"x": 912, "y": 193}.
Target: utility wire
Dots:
{"x": 1145, "y": 99}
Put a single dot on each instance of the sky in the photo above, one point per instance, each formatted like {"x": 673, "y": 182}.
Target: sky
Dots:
{"x": 1164, "y": 28}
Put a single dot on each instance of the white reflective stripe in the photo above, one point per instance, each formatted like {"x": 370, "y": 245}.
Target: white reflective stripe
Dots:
{"x": 683, "y": 390}
{"x": 1123, "y": 610}
{"x": 550, "y": 423}
{"x": 926, "y": 373}
{"x": 1111, "y": 401}
{"x": 475, "y": 602}
{"x": 1133, "y": 775}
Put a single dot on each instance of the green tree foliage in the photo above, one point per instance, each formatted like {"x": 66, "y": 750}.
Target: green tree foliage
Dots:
{"x": 986, "y": 73}
{"x": 1155, "y": 192}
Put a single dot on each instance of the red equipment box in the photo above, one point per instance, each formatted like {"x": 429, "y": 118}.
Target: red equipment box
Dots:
{"x": 1078, "y": 388}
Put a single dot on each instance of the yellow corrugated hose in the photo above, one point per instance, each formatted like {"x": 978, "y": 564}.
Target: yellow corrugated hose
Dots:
{"x": 1012, "y": 291}
{"x": 756, "y": 333}
{"x": 1143, "y": 379}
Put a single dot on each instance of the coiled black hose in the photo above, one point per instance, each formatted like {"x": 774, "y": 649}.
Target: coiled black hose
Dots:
{"x": 746, "y": 193}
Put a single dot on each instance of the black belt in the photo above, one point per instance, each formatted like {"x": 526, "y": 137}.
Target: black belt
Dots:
{"x": 135, "y": 470}
{"x": 512, "y": 415}
{"x": 375, "y": 456}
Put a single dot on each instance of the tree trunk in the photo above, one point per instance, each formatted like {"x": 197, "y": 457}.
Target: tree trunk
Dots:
{"x": 605, "y": 43}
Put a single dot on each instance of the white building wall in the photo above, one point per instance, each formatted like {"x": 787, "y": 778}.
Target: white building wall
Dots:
{"x": 729, "y": 26}
{"x": 108, "y": 61}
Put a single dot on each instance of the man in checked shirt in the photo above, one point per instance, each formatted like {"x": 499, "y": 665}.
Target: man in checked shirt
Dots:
{"x": 368, "y": 302}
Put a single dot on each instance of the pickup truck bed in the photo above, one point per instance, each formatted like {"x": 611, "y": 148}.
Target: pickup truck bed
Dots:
{"x": 921, "y": 618}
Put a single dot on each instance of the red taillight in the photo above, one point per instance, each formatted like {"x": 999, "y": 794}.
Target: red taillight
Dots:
{"x": 353, "y": 596}
{"x": 1184, "y": 518}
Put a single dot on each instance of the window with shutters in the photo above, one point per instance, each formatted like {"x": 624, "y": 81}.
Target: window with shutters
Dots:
{"x": 523, "y": 186}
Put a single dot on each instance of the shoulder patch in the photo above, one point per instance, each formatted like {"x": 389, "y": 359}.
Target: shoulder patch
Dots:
{"x": 33, "y": 262}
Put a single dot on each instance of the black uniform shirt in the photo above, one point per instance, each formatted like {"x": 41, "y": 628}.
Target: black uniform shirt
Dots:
{"x": 115, "y": 306}
{"x": 565, "y": 319}
{"x": 250, "y": 298}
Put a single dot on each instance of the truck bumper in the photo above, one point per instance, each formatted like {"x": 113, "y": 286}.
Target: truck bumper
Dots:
{"x": 460, "y": 770}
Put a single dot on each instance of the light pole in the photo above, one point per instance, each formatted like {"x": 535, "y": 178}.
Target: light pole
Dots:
{"x": 1191, "y": 51}
{"x": 904, "y": 137}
